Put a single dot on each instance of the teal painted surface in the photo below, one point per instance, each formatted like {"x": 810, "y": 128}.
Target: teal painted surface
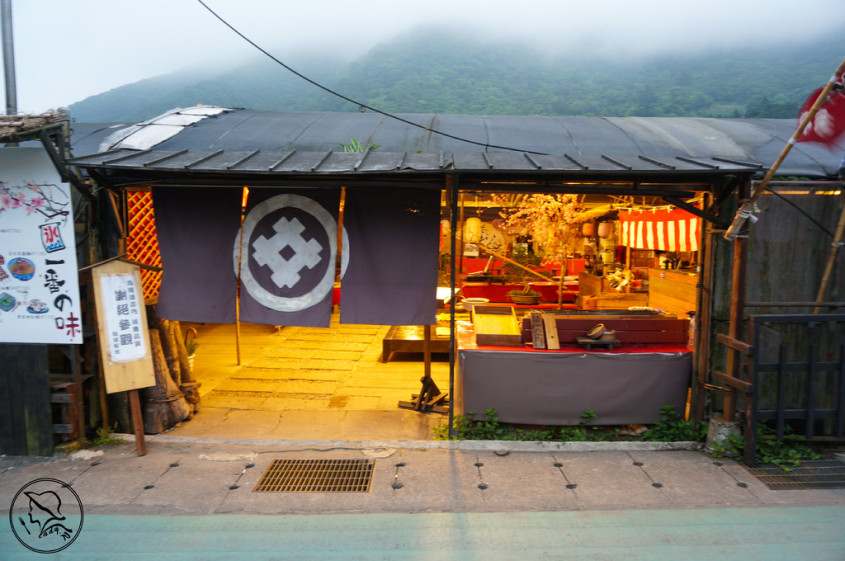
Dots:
{"x": 748, "y": 534}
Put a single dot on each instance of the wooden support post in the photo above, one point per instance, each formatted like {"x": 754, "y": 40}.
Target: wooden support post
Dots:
{"x": 420, "y": 399}
{"x": 452, "y": 191}
{"x": 137, "y": 422}
{"x": 244, "y": 200}
{"x": 238, "y": 336}
{"x": 735, "y": 329}
{"x": 77, "y": 381}
{"x": 429, "y": 398}
{"x": 560, "y": 283}
{"x": 461, "y": 238}
{"x": 703, "y": 321}
{"x": 427, "y": 350}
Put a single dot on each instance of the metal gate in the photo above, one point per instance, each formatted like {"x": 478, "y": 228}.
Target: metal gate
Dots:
{"x": 792, "y": 373}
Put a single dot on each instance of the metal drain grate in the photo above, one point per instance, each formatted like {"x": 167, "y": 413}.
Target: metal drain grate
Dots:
{"x": 826, "y": 473}
{"x": 316, "y": 476}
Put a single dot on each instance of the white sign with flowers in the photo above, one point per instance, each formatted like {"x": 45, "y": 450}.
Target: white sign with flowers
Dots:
{"x": 39, "y": 286}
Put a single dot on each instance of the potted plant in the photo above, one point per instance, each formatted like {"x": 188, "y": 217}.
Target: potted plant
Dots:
{"x": 526, "y": 296}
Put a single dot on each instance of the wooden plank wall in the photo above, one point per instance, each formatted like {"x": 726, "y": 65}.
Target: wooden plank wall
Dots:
{"x": 787, "y": 254}
{"x": 26, "y": 424}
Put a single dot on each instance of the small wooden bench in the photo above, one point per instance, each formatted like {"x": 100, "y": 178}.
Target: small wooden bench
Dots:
{"x": 411, "y": 339}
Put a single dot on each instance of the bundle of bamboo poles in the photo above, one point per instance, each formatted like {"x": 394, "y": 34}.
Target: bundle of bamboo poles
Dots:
{"x": 175, "y": 397}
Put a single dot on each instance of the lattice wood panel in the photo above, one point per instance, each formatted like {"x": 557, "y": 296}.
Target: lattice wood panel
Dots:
{"x": 141, "y": 241}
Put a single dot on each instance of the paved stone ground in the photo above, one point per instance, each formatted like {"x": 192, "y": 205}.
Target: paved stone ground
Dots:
{"x": 193, "y": 500}
{"x": 307, "y": 383}
{"x": 193, "y": 477}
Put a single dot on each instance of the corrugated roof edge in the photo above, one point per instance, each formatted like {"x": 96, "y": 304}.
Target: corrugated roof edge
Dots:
{"x": 330, "y": 162}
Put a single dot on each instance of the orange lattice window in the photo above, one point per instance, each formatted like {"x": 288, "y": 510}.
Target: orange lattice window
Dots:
{"x": 141, "y": 241}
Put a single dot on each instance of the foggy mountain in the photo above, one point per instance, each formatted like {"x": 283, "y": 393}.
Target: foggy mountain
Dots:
{"x": 436, "y": 72}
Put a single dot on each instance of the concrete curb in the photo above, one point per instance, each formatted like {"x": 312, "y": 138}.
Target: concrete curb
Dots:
{"x": 464, "y": 445}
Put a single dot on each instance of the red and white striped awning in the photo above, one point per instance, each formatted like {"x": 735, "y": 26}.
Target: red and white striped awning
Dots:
{"x": 662, "y": 230}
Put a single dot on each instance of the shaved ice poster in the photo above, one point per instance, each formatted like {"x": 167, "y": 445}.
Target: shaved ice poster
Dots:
{"x": 39, "y": 284}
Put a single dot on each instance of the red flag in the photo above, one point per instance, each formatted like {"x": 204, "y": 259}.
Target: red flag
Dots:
{"x": 828, "y": 124}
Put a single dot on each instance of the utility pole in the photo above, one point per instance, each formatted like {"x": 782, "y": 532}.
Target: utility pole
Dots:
{"x": 9, "y": 58}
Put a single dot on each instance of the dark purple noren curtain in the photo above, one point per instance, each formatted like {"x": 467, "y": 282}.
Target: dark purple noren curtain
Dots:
{"x": 288, "y": 256}
{"x": 196, "y": 229}
{"x": 391, "y": 277}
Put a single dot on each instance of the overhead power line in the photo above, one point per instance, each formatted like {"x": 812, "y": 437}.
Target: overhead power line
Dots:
{"x": 358, "y": 103}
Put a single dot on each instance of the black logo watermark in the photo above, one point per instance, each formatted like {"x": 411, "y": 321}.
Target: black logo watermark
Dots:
{"x": 46, "y": 515}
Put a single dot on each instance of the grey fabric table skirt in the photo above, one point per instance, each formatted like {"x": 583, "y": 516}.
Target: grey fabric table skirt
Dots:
{"x": 555, "y": 388}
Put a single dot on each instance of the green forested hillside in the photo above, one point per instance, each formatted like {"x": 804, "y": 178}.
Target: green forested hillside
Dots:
{"x": 437, "y": 72}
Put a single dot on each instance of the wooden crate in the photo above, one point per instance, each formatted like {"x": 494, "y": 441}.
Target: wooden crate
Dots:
{"x": 620, "y": 300}
{"x": 496, "y": 325}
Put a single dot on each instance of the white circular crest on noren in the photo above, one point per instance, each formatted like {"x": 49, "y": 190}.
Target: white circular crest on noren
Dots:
{"x": 258, "y": 292}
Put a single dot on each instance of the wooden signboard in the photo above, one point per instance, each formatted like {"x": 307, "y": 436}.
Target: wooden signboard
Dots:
{"x": 538, "y": 330}
{"x": 550, "y": 324}
{"x": 122, "y": 327}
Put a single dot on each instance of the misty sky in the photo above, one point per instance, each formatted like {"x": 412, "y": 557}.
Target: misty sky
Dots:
{"x": 67, "y": 50}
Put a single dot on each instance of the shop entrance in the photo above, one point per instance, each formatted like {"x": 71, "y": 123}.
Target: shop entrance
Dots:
{"x": 307, "y": 383}
{"x": 290, "y": 382}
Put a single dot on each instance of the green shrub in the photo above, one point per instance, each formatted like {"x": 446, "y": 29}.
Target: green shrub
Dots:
{"x": 672, "y": 428}
{"x": 490, "y": 428}
{"x": 106, "y": 438}
{"x": 787, "y": 454}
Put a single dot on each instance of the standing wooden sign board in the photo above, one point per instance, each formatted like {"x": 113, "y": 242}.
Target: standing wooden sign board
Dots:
{"x": 538, "y": 328}
{"x": 552, "y": 341}
{"x": 125, "y": 351}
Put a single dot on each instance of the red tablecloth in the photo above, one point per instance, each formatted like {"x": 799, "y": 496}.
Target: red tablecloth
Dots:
{"x": 499, "y": 292}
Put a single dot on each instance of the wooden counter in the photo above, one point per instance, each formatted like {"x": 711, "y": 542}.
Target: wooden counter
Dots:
{"x": 625, "y": 385}
{"x": 674, "y": 292}
{"x": 594, "y": 293}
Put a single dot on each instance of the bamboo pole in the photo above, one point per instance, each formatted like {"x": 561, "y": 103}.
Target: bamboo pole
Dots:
{"x": 512, "y": 262}
{"x": 831, "y": 261}
{"x": 746, "y": 211}
{"x": 497, "y": 255}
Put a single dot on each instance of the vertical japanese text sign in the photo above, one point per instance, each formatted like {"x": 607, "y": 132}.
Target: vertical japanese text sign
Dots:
{"x": 39, "y": 281}
{"x": 122, "y": 324}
